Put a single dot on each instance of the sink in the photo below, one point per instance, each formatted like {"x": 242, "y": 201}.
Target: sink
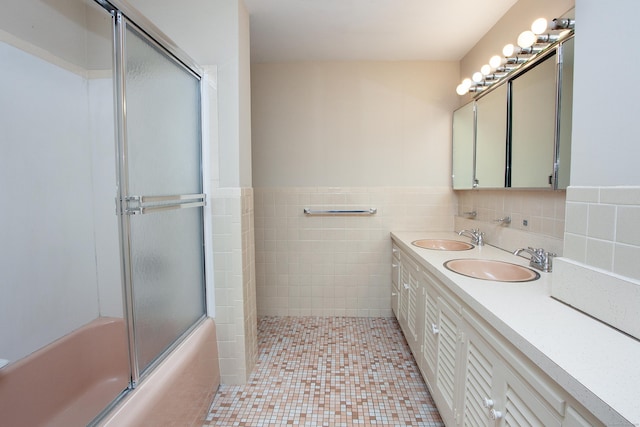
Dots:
{"x": 442, "y": 244}
{"x": 498, "y": 271}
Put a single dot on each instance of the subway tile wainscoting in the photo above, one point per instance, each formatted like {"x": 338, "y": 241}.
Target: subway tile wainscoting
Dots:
{"x": 336, "y": 265}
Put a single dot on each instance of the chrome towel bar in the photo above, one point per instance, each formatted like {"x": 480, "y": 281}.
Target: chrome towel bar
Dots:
{"x": 371, "y": 211}
{"x": 136, "y": 205}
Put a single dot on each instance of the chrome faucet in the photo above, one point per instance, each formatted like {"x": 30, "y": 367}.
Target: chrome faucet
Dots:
{"x": 477, "y": 237}
{"x": 539, "y": 258}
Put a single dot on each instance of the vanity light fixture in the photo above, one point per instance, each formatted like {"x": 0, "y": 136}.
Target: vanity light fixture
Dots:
{"x": 529, "y": 44}
{"x": 562, "y": 24}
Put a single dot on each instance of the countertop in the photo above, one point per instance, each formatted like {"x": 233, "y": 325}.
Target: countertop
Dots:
{"x": 596, "y": 364}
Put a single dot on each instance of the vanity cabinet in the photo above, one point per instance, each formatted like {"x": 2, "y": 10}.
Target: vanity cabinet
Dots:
{"x": 495, "y": 393}
{"x": 476, "y": 377}
{"x": 395, "y": 279}
{"x": 410, "y": 305}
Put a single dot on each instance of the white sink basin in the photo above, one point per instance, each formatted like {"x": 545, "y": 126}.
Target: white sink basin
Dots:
{"x": 442, "y": 244}
{"x": 498, "y": 271}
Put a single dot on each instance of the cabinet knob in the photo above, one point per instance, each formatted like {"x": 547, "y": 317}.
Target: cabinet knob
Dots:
{"x": 394, "y": 265}
{"x": 406, "y": 286}
{"x": 495, "y": 415}
{"x": 487, "y": 403}
{"x": 393, "y": 294}
{"x": 435, "y": 329}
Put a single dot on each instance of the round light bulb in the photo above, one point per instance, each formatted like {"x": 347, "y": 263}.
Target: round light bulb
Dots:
{"x": 486, "y": 69}
{"x": 477, "y": 77}
{"x": 495, "y": 61}
{"x": 539, "y": 26}
{"x": 508, "y": 50}
{"x": 526, "y": 39}
{"x": 461, "y": 89}
{"x": 467, "y": 83}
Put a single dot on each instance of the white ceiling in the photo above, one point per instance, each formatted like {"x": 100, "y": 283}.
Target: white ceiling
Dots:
{"x": 308, "y": 30}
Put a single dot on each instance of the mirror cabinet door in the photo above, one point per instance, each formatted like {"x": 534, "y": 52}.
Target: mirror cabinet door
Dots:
{"x": 533, "y": 125}
{"x": 491, "y": 138}
{"x": 463, "y": 150}
{"x": 566, "y": 110}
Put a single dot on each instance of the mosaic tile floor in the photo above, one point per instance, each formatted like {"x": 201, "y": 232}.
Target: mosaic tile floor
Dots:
{"x": 338, "y": 371}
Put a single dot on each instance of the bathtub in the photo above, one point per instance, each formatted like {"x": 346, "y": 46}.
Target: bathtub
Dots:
{"x": 179, "y": 391}
{"x": 68, "y": 382}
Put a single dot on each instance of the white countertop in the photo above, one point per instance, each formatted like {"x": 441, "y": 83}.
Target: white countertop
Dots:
{"x": 596, "y": 364}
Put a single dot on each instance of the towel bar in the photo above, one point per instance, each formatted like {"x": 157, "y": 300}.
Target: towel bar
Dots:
{"x": 371, "y": 211}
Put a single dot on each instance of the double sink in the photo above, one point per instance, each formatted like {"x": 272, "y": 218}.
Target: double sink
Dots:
{"x": 483, "y": 269}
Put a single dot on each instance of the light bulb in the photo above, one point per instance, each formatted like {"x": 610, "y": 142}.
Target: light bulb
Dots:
{"x": 508, "y": 50}
{"x": 467, "y": 83}
{"x": 461, "y": 89}
{"x": 486, "y": 69}
{"x": 495, "y": 61}
{"x": 477, "y": 77}
{"x": 526, "y": 39}
{"x": 539, "y": 26}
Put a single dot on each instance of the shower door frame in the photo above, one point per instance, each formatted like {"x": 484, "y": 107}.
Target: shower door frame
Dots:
{"x": 124, "y": 15}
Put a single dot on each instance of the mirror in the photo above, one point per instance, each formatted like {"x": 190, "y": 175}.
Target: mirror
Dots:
{"x": 522, "y": 128}
{"x": 462, "y": 166}
{"x": 563, "y": 151}
{"x": 533, "y": 125}
{"x": 491, "y": 138}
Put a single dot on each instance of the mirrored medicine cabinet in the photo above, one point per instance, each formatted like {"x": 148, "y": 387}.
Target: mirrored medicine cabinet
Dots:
{"x": 517, "y": 133}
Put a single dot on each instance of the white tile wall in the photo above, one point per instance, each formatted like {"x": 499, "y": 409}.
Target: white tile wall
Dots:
{"x": 603, "y": 228}
{"x": 543, "y": 211}
{"x": 234, "y": 278}
{"x": 600, "y": 273}
{"x": 336, "y": 266}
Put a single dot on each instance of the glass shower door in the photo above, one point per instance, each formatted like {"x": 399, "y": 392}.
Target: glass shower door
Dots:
{"x": 161, "y": 198}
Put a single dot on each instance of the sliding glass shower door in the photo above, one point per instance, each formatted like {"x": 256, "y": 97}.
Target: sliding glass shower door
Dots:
{"x": 161, "y": 200}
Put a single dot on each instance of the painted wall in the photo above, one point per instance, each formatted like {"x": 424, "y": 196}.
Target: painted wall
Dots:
{"x": 352, "y": 123}
{"x": 216, "y": 33}
{"x": 605, "y": 146}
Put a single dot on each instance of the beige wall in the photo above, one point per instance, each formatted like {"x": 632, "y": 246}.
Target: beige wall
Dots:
{"x": 345, "y": 135}
{"x": 352, "y": 123}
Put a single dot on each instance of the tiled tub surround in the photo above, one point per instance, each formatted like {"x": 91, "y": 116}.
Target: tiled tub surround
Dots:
{"x": 329, "y": 372}
{"x": 336, "y": 265}
{"x": 600, "y": 273}
{"x": 595, "y": 364}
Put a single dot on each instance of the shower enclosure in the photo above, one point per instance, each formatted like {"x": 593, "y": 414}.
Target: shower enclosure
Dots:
{"x": 101, "y": 173}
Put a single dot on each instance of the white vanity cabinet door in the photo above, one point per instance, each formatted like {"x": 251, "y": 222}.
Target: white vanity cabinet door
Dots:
{"x": 430, "y": 330}
{"x": 523, "y": 406}
{"x": 448, "y": 372}
{"x": 479, "y": 397}
{"x": 403, "y": 297}
{"x": 395, "y": 279}
{"x": 411, "y": 307}
{"x": 495, "y": 390}
{"x": 573, "y": 418}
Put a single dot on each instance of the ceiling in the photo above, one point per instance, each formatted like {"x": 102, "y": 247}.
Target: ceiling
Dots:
{"x": 386, "y": 30}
